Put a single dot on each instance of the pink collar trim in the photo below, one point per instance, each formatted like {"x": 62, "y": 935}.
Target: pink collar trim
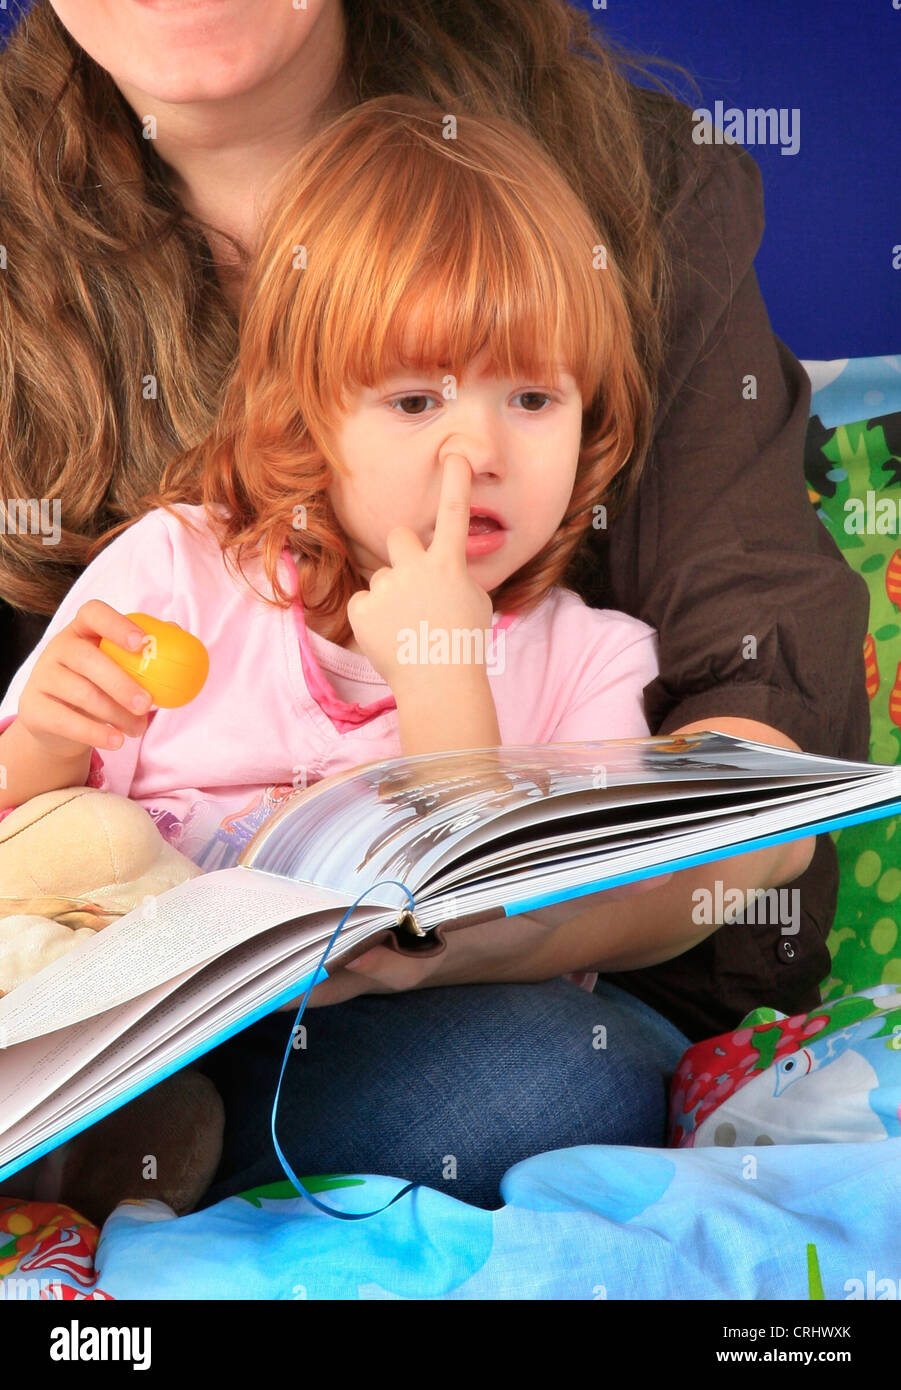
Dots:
{"x": 343, "y": 715}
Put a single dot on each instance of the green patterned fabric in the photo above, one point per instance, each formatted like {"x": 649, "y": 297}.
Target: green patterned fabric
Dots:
{"x": 854, "y": 478}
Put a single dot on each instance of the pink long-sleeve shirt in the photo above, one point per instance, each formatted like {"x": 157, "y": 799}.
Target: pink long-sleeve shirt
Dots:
{"x": 283, "y": 707}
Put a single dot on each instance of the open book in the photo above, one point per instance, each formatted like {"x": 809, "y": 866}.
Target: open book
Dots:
{"x": 395, "y": 851}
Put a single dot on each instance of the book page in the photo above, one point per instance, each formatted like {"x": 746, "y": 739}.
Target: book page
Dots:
{"x": 166, "y": 936}
{"x": 394, "y": 822}
{"x": 577, "y": 826}
{"x": 102, "y": 1058}
{"x": 33, "y": 1071}
{"x": 660, "y": 851}
{"x": 219, "y": 993}
{"x": 199, "y": 1004}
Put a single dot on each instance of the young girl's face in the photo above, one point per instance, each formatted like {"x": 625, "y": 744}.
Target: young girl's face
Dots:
{"x": 521, "y": 439}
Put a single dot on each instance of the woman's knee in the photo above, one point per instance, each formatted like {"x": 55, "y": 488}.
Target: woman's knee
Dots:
{"x": 468, "y": 1080}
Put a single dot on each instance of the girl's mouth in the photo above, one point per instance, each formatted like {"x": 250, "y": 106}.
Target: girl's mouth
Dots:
{"x": 482, "y": 525}
{"x": 486, "y": 534}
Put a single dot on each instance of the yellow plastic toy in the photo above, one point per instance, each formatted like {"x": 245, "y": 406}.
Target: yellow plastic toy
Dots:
{"x": 172, "y": 665}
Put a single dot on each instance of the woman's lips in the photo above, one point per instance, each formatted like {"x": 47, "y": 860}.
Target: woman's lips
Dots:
{"x": 174, "y": 6}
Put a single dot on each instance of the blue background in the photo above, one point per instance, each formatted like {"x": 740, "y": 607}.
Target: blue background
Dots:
{"x": 834, "y": 209}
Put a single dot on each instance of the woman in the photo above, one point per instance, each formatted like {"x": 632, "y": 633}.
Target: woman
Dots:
{"x": 138, "y": 142}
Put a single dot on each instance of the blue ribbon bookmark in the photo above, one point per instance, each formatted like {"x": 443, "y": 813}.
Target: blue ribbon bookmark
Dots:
{"x": 289, "y": 1171}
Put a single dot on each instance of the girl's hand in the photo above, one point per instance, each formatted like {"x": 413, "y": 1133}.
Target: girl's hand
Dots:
{"x": 432, "y": 585}
{"x": 76, "y": 697}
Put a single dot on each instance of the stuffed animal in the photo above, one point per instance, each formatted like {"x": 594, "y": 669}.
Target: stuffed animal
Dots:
{"x": 71, "y": 862}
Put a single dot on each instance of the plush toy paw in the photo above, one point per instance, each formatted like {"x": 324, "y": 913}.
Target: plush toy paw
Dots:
{"x": 71, "y": 862}
{"x": 29, "y": 942}
{"x": 164, "y": 1144}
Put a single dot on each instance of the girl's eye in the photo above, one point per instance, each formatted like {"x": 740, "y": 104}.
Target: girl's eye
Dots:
{"x": 535, "y": 396}
{"x": 401, "y": 400}
{"x": 541, "y": 397}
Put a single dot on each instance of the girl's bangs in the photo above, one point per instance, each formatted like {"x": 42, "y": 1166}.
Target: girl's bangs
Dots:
{"x": 443, "y": 309}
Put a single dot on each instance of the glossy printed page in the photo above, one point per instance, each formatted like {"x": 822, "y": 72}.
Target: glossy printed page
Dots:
{"x": 393, "y": 822}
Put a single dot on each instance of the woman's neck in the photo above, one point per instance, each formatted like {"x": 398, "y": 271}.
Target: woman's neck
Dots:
{"x": 225, "y": 156}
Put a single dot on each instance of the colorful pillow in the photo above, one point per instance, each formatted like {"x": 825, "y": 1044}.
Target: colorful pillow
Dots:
{"x": 854, "y": 480}
{"x": 831, "y": 1076}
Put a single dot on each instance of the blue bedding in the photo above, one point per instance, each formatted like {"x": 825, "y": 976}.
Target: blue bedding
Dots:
{"x": 784, "y": 1183}
{"x": 816, "y": 1221}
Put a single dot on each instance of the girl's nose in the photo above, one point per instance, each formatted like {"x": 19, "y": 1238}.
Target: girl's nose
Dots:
{"x": 483, "y": 451}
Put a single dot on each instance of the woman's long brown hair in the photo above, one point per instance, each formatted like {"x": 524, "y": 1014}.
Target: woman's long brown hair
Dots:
{"x": 117, "y": 341}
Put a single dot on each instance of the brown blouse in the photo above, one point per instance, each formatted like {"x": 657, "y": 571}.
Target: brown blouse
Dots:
{"x": 721, "y": 542}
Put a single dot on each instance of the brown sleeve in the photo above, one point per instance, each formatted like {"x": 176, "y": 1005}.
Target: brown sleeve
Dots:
{"x": 720, "y": 543}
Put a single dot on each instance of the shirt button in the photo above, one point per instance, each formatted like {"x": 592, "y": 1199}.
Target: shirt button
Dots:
{"x": 785, "y": 951}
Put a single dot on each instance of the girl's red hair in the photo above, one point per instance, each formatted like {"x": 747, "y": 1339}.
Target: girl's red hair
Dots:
{"x": 404, "y": 237}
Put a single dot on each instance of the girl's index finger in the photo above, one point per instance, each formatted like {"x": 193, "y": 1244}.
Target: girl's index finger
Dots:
{"x": 98, "y": 619}
{"x": 452, "y": 521}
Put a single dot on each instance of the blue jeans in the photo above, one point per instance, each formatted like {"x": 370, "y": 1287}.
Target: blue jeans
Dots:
{"x": 490, "y": 1074}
